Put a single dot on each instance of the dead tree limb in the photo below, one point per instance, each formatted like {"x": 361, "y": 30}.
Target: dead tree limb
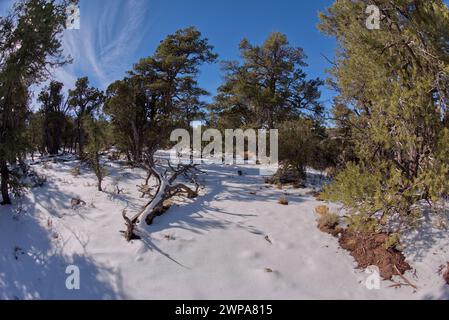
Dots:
{"x": 404, "y": 278}
{"x": 129, "y": 233}
{"x": 167, "y": 187}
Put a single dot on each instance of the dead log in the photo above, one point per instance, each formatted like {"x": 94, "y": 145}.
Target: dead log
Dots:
{"x": 167, "y": 188}
{"x": 129, "y": 233}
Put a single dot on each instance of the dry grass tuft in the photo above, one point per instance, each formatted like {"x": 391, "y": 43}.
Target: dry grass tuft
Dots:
{"x": 328, "y": 221}
{"x": 75, "y": 171}
{"x": 322, "y": 210}
{"x": 283, "y": 201}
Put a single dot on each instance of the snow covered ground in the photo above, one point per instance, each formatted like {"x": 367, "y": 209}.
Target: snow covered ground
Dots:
{"x": 213, "y": 247}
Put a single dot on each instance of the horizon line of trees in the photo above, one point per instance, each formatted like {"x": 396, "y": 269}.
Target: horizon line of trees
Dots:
{"x": 391, "y": 137}
{"x": 137, "y": 113}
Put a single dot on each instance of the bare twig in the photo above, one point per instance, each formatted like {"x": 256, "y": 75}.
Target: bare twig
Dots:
{"x": 404, "y": 278}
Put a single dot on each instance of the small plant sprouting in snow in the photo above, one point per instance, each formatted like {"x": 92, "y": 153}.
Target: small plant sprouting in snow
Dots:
{"x": 328, "y": 221}
{"x": 441, "y": 223}
{"x": 19, "y": 210}
{"x": 75, "y": 171}
{"x": 169, "y": 237}
{"x": 283, "y": 201}
{"x": 115, "y": 185}
{"x": 47, "y": 165}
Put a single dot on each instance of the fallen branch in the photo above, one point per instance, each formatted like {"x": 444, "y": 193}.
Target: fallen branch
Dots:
{"x": 404, "y": 278}
{"x": 130, "y": 233}
{"x": 167, "y": 188}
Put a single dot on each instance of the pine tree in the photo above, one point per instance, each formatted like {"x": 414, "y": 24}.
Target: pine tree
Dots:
{"x": 300, "y": 146}
{"x": 394, "y": 102}
{"x": 269, "y": 87}
{"x": 84, "y": 101}
{"x": 35, "y": 141}
{"x": 173, "y": 70}
{"x": 160, "y": 94}
{"x": 54, "y": 110}
{"x": 29, "y": 45}
{"x": 97, "y": 142}
{"x": 127, "y": 108}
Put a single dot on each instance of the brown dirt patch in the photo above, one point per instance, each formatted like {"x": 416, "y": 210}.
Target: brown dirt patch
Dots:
{"x": 334, "y": 231}
{"x": 446, "y": 274}
{"x": 368, "y": 249}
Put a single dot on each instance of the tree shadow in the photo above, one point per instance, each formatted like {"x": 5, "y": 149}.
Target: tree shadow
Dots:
{"x": 419, "y": 242}
{"x": 249, "y": 187}
{"x": 32, "y": 267}
{"x": 443, "y": 294}
{"x": 200, "y": 215}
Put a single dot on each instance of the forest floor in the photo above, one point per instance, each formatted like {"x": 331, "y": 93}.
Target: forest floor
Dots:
{"x": 235, "y": 241}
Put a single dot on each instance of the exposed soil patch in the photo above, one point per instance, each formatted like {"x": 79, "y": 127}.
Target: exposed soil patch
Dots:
{"x": 446, "y": 274}
{"x": 368, "y": 249}
{"x": 332, "y": 230}
{"x": 328, "y": 222}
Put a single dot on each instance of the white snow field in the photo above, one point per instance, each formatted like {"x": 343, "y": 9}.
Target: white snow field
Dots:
{"x": 212, "y": 247}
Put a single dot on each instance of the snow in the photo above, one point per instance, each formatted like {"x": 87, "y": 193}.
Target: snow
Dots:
{"x": 212, "y": 247}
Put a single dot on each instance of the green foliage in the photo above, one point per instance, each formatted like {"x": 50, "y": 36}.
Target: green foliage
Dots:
{"x": 84, "y": 101}
{"x": 392, "y": 111}
{"x": 392, "y": 241}
{"x": 35, "y": 141}
{"x": 355, "y": 187}
{"x": 268, "y": 88}
{"x": 30, "y": 44}
{"x": 127, "y": 108}
{"x": 328, "y": 221}
{"x": 97, "y": 142}
{"x": 54, "y": 112}
{"x": 299, "y": 145}
{"x": 160, "y": 94}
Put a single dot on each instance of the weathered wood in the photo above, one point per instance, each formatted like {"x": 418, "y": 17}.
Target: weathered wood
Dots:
{"x": 166, "y": 189}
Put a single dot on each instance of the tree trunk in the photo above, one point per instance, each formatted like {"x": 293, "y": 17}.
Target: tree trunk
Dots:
{"x": 80, "y": 137}
{"x": 167, "y": 188}
{"x": 4, "y": 183}
{"x": 81, "y": 142}
{"x": 137, "y": 144}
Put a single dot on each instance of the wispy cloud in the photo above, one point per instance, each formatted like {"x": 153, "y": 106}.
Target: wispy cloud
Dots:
{"x": 111, "y": 32}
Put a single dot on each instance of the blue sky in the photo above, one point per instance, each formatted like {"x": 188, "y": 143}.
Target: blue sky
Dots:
{"x": 117, "y": 33}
